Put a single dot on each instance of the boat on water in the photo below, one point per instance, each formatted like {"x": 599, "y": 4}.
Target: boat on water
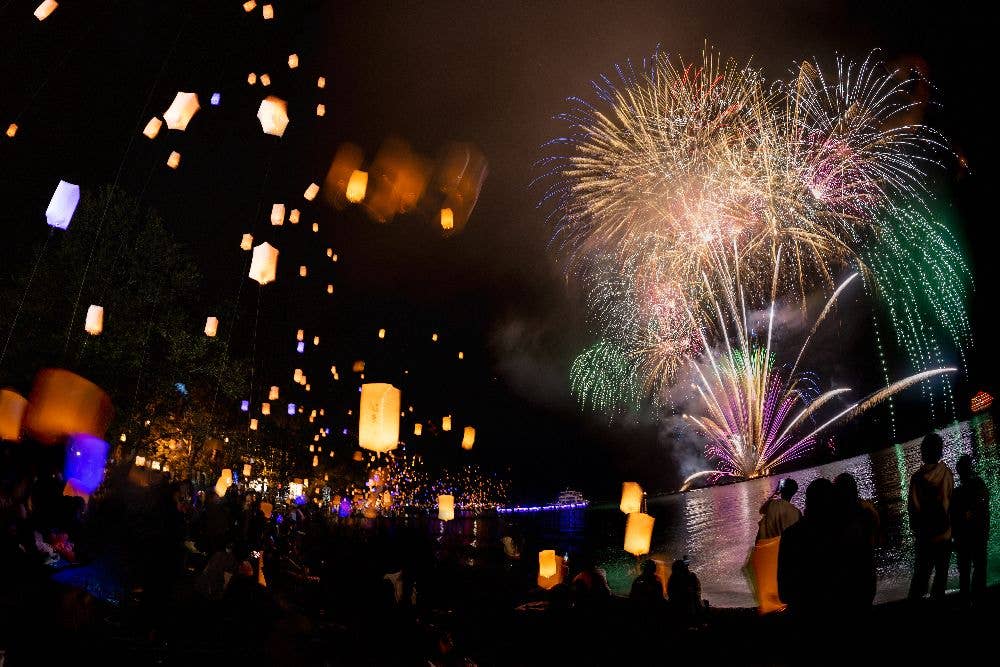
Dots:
{"x": 569, "y": 499}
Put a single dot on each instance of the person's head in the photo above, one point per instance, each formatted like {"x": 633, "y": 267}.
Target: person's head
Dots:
{"x": 680, "y": 566}
{"x": 788, "y": 488}
{"x": 649, "y": 568}
{"x": 846, "y": 488}
{"x": 931, "y": 448}
{"x": 819, "y": 499}
{"x": 964, "y": 466}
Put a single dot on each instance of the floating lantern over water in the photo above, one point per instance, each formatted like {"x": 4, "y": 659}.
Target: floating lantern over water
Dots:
{"x": 553, "y": 564}
{"x": 446, "y": 423}
{"x": 174, "y": 160}
{"x": 468, "y": 437}
{"x": 418, "y": 429}
{"x": 638, "y": 533}
{"x": 291, "y": 408}
{"x": 273, "y": 113}
{"x": 311, "y": 192}
{"x": 547, "y": 563}
{"x": 315, "y": 340}
{"x": 631, "y": 498}
{"x": 315, "y": 460}
{"x": 211, "y": 326}
{"x": 43, "y": 10}
{"x": 152, "y": 127}
{"x": 94, "y": 324}
{"x": 446, "y": 507}
{"x": 247, "y": 242}
{"x": 277, "y": 214}
{"x": 215, "y": 99}
{"x": 63, "y": 205}
{"x": 447, "y": 219}
{"x": 293, "y": 61}
{"x": 244, "y": 406}
{"x": 434, "y": 337}
{"x": 62, "y": 403}
{"x": 378, "y": 421}
{"x": 357, "y": 186}
{"x": 264, "y": 266}
{"x": 358, "y": 366}
{"x": 329, "y": 288}
{"x": 461, "y": 355}
{"x": 298, "y": 377}
{"x": 181, "y": 111}
{"x": 12, "y": 409}
{"x": 300, "y": 335}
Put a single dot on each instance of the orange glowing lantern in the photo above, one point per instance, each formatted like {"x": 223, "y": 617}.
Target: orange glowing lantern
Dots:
{"x": 446, "y": 423}
{"x": 447, "y": 219}
{"x": 253, "y": 424}
{"x": 378, "y": 421}
{"x": 320, "y": 109}
{"x": 293, "y": 217}
{"x": 268, "y": 12}
{"x": 468, "y": 437}
{"x": 95, "y": 320}
{"x": 638, "y": 533}
{"x": 246, "y": 469}
{"x": 251, "y": 78}
{"x": 359, "y": 366}
{"x": 246, "y": 243}
{"x": 303, "y": 271}
{"x": 174, "y": 160}
{"x": 272, "y": 113}
{"x": 273, "y": 394}
{"x": 311, "y": 192}
{"x": 43, "y": 10}
{"x": 181, "y": 111}
{"x": 152, "y": 127}
{"x": 358, "y": 456}
{"x": 547, "y": 565}
{"x": 293, "y": 61}
{"x": 277, "y": 214}
{"x": 321, "y": 82}
{"x": 264, "y": 265}
{"x": 62, "y": 403}
{"x": 265, "y": 80}
{"x": 265, "y": 408}
{"x": 12, "y": 408}
{"x": 249, "y": 6}
{"x": 446, "y": 507}
{"x": 980, "y": 402}
{"x": 357, "y": 186}
{"x": 631, "y": 498}
{"x": 211, "y": 326}
{"x": 558, "y": 568}
{"x": 12, "y": 130}
{"x": 300, "y": 335}
{"x": 418, "y": 429}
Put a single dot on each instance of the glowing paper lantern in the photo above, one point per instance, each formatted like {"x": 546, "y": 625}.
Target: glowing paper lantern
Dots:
{"x": 174, "y": 160}
{"x": 320, "y": 109}
{"x": 63, "y": 403}
{"x": 12, "y": 408}
{"x": 446, "y": 423}
{"x": 358, "y": 456}
{"x": 86, "y": 457}
{"x": 446, "y": 507}
{"x": 378, "y": 422}
{"x": 631, "y": 498}
{"x": 264, "y": 266}
{"x": 244, "y": 406}
{"x": 461, "y": 355}
{"x": 94, "y": 324}
{"x": 251, "y": 78}
{"x": 311, "y": 192}
{"x": 63, "y": 205}
{"x": 434, "y": 337}
{"x": 43, "y": 10}
{"x": 303, "y": 271}
{"x": 247, "y": 242}
{"x": 300, "y": 335}
{"x": 315, "y": 227}
{"x": 246, "y": 469}
{"x": 277, "y": 214}
{"x": 265, "y": 408}
{"x": 547, "y": 565}
{"x": 273, "y": 394}
{"x": 224, "y": 482}
{"x": 357, "y": 186}
{"x": 329, "y": 288}
{"x": 249, "y": 6}
{"x": 265, "y": 80}
{"x": 315, "y": 340}
{"x": 293, "y": 217}
{"x": 447, "y": 219}
{"x": 293, "y": 61}
{"x": 140, "y": 461}
{"x": 315, "y": 460}
{"x": 181, "y": 111}
{"x": 468, "y": 437}
{"x": 253, "y": 424}
{"x": 298, "y": 376}
{"x": 558, "y": 566}
{"x": 211, "y": 326}
{"x": 358, "y": 367}
{"x": 272, "y": 113}
{"x": 418, "y": 429}
{"x": 268, "y": 12}
{"x": 12, "y": 130}
{"x": 638, "y": 533}
{"x": 152, "y": 128}
{"x": 155, "y": 465}
{"x": 321, "y": 82}
{"x": 381, "y": 333}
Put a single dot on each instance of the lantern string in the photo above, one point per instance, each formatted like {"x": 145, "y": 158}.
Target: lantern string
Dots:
{"x": 118, "y": 174}
{"x": 24, "y": 295}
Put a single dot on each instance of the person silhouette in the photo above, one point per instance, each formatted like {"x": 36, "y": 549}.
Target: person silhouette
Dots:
{"x": 970, "y": 520}
{"x": 928, "y": 504}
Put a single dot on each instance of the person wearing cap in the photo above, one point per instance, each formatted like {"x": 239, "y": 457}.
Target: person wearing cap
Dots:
{"x": 777, "y": 512}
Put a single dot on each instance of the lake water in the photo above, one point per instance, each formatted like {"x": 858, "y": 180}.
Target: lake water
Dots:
{"x": 716, "y": 526}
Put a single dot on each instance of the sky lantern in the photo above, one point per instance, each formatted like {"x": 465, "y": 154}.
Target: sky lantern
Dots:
{"x": 300, "y": 335}
{"x": 315, "y": 340}
{"x": 272, "y": 113}
{"x": 320, "y": 109}
{"x": 418, "y": 429}
{"x": 293, "y": 61}
{"x": 358, "y": 366}
{"x": 63, "y": 205}
{"x": 264, "y": 266}
{"x": 273, "y": 394}
{"x": 447, "y": 219}
{"x": 378, "y": 421}
{"x": 62, "y": 403}
{"x": 244, "y": 406}
{"x": 152, "y": 128}
{"x": 268, "y": 12}
{"x": 265, "y": 408}
{"x": 293, "y": 216}
{"x": 468, "y": 437}
{"x": 181, "y": 111}
{"x": 211, "y": 326}
{"x": 547, "y": 565}
{"x": 251, "y": 78}
{"x": 253, "y": 424}
{"x": 434, "y": 337}
{"x": 43, "y": 10}
{"x": 86, "y": 457}
{"x": 357, "y": 186}
{"x": 94, "y": 324}
{"x": 638, "y": 533}
{"x": 446, "y": 423}
{"x": 631, "y": 498}
{"x": 265, "y": 79}
{"x": 249, "y": 6}
{"x": 461, "y": 355}
{"x": 12, "y": 408}
{"x": 224, "y": 482}
{"x": 174, "y": 159}
{"x": 446, "y": 507}
{"x": 315, "y": 460}
{"x": 277, "y": 214}
{"x": 12, "y": 130}
{"x": 321, "y": 82}
{"x": 297, "y": 376}
{"x": 315, "y": 227}
{"x": 215, "y": 99}
{"x": 311, "y": 192}
{"x": 381, "y": 333}
{"x": 155, "y": 465}
{"x": 140, "y": 461}
{"x": 247, "y": 469}
{"x": 246, "y": 243}
{"x": 303, "y": 271}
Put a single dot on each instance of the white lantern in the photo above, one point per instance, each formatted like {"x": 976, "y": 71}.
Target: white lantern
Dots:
{"x": 152, "y": 127}
{"x": 43, "y": 10}
{"x": 631, "y": 498}
{"x": 293, "y": 61}
{"x": 174, "y": 160}
{"x": 264, "y": 266}
{"x": 378, "y": 423}
{"x": 446, "y": 507}
{"x": 311, "y": 192}
{"x": 468, "y": 437}
{"x": 272, "y": 114}
{"x": 357, "y": 186}
{"x": 95, "y": 320}
{"x": 247, "y": 242}
{"x": 638, "y": 533}
{"x": 63, "y": 205}
{"x": 211, "y": 326}
{"x": 181, "y": 111}
{"x": 277, "y": 214}
{"x": 293, "y": 216}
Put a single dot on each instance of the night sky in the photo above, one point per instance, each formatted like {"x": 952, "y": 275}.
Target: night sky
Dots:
{"x": 490, "y": 73}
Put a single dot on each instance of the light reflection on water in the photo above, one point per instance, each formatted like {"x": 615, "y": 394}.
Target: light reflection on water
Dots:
{"x": 715, "y": 527}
